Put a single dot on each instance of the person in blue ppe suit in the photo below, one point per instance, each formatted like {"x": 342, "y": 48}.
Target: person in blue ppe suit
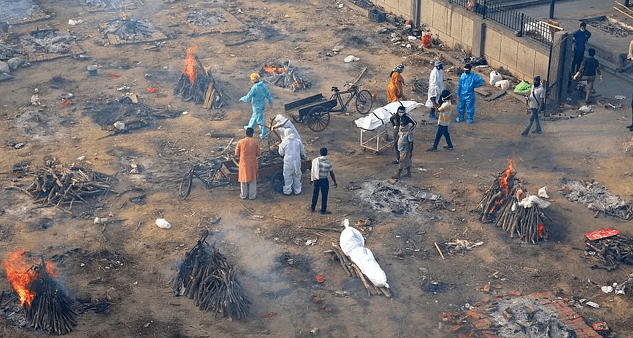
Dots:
{"x": 293, "y": 152}
{"x": 257, "y": 96}
{"x": 466, "y": 93}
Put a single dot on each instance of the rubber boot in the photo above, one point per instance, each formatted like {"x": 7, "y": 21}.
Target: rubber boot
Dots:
{"x": 397, "y": 176}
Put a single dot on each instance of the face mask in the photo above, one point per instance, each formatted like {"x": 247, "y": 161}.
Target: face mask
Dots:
{"x": 537, "y": 84}
{"x": 440, "y": 67}
{"x": 400, "y": 113}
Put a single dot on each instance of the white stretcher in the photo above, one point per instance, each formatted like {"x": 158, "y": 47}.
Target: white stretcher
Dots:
{"x": 375, "y": 128}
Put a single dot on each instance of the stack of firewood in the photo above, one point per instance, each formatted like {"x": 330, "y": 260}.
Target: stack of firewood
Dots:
{"x": 500, "y": 205}
{"x": 51, "y": 309}
{"x": 57, "y": 185}
{"x": 206, "y": 277}
{"x": 609, "y": 253}
{"x": 352, "y": 270}
{"x": 203, "y": 89}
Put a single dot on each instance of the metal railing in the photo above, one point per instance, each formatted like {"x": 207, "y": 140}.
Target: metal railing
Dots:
{"x": 522, "y": 24}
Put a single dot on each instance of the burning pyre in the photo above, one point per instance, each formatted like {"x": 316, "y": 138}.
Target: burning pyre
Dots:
{"x": 208, "y": 279}
{"x": 197, "y": 84}
{"x": 46, "y": 304}
{"x": 284, "y": 76}
{"x": 507, "y": 205}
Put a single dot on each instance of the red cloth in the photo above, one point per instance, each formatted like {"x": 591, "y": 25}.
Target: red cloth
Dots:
{"x": 247, "y": 150}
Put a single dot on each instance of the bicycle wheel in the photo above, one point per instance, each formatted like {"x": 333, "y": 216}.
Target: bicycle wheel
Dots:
{"x": 318, "y": 118}
{"x": 364, "y": 101}
{"x": 184, "y": 189}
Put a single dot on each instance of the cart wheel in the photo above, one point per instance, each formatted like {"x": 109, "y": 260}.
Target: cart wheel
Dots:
{"x": 277, "y": 182}
{"x": 364, "y": 102}
{"x": 318, "y": 118}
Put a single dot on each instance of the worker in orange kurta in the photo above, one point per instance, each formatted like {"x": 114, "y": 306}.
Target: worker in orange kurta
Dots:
{"x": 395, "y": 89}
{"x": 248, "y": 151}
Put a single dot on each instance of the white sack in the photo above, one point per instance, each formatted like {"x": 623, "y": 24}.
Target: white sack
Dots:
{"x": 381, "y": 115}
{"x": 503, "y": 84}
{"x": 495, "y": 77}
{"x": 533, "y": 199}
{"x": 353, "y": 245}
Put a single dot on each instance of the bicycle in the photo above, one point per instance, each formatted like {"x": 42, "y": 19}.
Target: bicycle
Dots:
{"x": 205, "y": 173}
{"x": 317, "y": 116}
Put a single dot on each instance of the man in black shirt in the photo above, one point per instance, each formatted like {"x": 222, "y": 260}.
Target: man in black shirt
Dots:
{"x": 589, "y": 68}
{"x": 579, "y": 38}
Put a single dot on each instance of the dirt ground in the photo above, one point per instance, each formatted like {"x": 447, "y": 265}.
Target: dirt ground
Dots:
{"x": 131, "y": 263}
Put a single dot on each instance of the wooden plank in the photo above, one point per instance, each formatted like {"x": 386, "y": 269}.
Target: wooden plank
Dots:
{"x": 481, "y": 91}
{"x": 496, "y": 95}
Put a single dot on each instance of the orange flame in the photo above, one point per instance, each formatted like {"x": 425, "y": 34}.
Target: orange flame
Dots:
{"x": 507, "y": 174}
{"x": 504, "y": 184}
{"x": 190, "y": 63}
{"x": 273, "y": 69}
{"x": 20, "y": 274}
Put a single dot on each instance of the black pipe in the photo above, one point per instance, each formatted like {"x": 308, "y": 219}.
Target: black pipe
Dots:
{"x": 551, "y": 9}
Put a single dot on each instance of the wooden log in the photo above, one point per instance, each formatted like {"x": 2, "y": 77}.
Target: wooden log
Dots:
{"x": 336, "y": 252}
{"x": 362, "y": 278}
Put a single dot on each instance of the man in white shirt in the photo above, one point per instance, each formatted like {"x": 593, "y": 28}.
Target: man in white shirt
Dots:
{"x": 535, "y": 102}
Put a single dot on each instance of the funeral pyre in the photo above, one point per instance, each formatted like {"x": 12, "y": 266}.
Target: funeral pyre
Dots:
{"x": 596, "y": 197}
{"x": 284, "y": 76}
{"x": 607, "y": 249}
{"x": 508, "y": 206}
{"x": 128, "y": 29}
{"x": 44, "y": 301}
{"x": 58, "y": 185}
{"x": 197, "y": 84}
{"x": 207, "y": 277}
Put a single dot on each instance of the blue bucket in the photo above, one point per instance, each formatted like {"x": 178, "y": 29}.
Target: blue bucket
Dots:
{"x": 92, "y": 70}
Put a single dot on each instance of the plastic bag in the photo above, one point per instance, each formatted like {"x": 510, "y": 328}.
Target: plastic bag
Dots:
{"x": 523, "y": 88}
{"x": 495, "y": 77}
{"x": 351, "y": 58}
{"x": 504, "y": 84}
{"x": 353, "y": 245}
{"x": 426, "y": 41}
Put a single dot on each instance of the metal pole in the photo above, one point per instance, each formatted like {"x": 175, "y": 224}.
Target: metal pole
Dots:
{"x": 551, "y": 9}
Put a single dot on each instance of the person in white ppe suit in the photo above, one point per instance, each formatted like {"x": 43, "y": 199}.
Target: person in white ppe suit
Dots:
{"x": 436, "y": 86}
{"x": 292, "y": 150}
{"x": 281, "y": 123}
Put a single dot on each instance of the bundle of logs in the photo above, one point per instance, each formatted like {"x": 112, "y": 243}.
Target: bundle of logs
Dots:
{"x": 57, "y": 185}
{"x": 51, "y": 309}
{"x": 206, "y": 277}
{"x": 609, "y": 253}
{"x": 500, "y": 205}
{"x": 198, "y": 85}
{"x": 352, "y": 270}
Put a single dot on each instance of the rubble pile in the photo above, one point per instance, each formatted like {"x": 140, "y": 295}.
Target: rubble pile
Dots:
{"x": 284, "y": 76}
{"x": 395, "y": 199}
{"x": 123, "y": 115}
{"x": 48, "y": 41}
{"x": 203, "y": 18}
{"x": 596, "y": 197}
{"x": 8, "y": 50}
{"x": 527, "y": 318}
{"x": 611, "y": 28}
{"x": 103, "y": 4}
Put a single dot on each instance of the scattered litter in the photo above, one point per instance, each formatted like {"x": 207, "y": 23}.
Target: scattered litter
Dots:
{"x": 620, "y": 97}
{"x": 74, "y": 22}
{"x": 607, "y": 289}
{"x": 119, "y": 125}
{"x": 543, "y": 193}
{"x": 351, "y": 58}
{"x": 35, "y": 100}
{"x": 100, "y": 220}
{"x": 593, "y": 305}
{"x": 162, "y": 223}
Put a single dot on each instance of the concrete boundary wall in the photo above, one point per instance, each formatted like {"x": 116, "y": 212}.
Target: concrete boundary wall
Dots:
{"x": 460, "y": 29}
